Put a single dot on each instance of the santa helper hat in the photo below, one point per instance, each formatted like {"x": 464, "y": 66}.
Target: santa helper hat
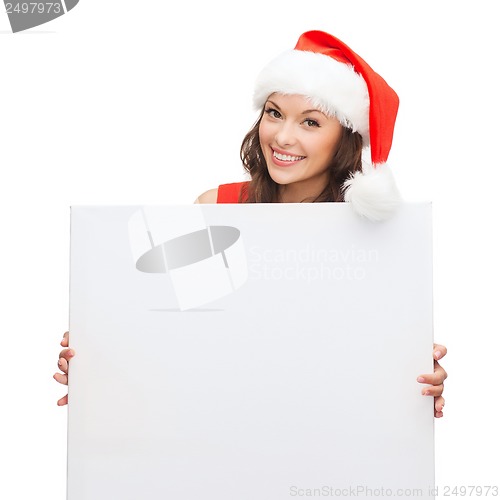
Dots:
{"x": 341, "y": 84}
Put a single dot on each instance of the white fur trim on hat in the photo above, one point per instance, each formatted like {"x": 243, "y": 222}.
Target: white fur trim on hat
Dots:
{"x": 373, "y": 193}
{"x": 332, "y": 86}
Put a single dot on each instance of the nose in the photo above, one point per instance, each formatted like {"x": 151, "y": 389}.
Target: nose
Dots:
{"x": 285, "y": 135}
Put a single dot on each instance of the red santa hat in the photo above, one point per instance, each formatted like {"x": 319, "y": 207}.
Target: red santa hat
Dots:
{"x": 340, "y": 83}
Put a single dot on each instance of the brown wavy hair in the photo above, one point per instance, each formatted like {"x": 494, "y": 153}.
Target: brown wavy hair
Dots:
{"x": 262, "y": 188}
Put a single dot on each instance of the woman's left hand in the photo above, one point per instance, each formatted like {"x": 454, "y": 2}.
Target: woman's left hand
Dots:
{"x": 435, "y": 381}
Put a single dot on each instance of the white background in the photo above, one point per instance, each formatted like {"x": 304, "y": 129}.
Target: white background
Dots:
{"x": 122, "y": 102}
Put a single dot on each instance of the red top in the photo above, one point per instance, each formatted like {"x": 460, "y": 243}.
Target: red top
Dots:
{"x": 229, "y": 193}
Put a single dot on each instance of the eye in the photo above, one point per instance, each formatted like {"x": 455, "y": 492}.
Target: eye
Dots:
{"x": 311, "y": 123}
{"x": 273, "y": 113}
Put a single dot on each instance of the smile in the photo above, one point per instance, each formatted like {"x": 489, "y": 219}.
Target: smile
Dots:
{"x": 287, "y": 157}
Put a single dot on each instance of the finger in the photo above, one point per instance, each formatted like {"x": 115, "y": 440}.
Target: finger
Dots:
{"x": 439, "y": 404}
{"x": 61, "y": 378}
{"x": 436, "y": 378}
{"x": 63, "y": 365}
{"x": 440, "y": 374}
{"x": 439, "y": 351}
{"x": 433, "y": 390}
{"x": 67, "y": 354}
{"x": 65, "y": 340}
{"x": 63, "y": 401}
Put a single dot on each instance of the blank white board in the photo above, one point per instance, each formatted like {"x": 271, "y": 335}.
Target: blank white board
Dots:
{"x": 249, "y": 352}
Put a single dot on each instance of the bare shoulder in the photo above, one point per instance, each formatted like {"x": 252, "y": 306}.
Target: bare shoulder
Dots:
{"x": 209, "y": 196}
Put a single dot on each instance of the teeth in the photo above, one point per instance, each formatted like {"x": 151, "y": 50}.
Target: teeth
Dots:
{"x": 287, "y": 157}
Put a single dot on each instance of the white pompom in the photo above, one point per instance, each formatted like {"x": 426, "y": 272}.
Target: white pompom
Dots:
{"x": 373, "y": 193}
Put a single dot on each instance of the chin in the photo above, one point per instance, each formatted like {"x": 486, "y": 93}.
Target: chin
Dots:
{"x": 278, "y": 179}
{"x": 278, "y": 175}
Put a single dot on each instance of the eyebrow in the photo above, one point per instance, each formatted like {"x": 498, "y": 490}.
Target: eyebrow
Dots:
{"x": 273, "y": 103}
{"x": 311, "y": 111}
{"x": 307, "y": 111}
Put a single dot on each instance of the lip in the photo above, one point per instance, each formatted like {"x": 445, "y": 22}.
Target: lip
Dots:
{"x": 284, "y": 163}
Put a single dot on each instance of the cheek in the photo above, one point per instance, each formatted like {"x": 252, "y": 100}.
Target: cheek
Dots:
{"x": 266, "y": 132}
{"x": 328, "y": 148}
{"x": 321, "y": 148}
{"x": 262, "y": 133}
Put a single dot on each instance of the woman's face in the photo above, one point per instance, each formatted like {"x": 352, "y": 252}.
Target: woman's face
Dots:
{"x": 298, "y": 142}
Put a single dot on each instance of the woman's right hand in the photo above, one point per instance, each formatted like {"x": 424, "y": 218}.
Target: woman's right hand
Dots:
{"x": 64, "y": 356}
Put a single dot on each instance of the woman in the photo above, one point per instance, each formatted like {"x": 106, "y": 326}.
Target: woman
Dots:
{"x": 321, "y": 107}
